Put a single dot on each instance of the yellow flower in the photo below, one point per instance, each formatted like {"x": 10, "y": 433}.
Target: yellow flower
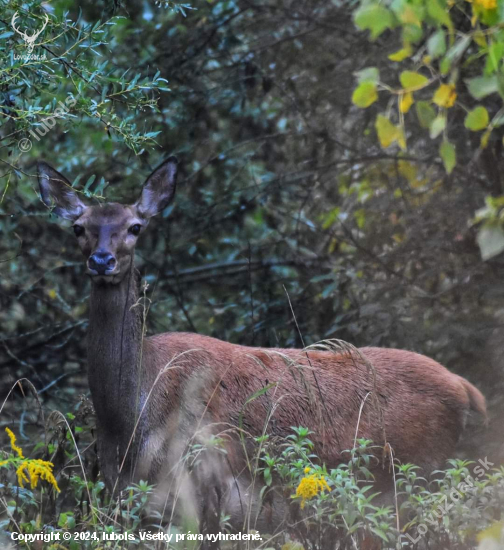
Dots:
{"x": 307, "y": 470}
{"x": 37, "y": 469}
{"x": 486, "y": 4}
{"x": 29, "y": 470}
{"x": 21, "y": 475}
{"x": 445, "y": 95}
{"x": 14, "y": 447}
{"x": 311, "y": 486}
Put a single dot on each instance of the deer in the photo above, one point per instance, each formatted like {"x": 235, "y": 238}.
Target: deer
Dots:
{"x": 155, "y": 396}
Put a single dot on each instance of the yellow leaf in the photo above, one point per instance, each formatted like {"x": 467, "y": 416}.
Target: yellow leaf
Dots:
{"x": 409, "y": 17}
{"x": 495, "y": 532}
{"x": 408, "y": 170}
{"x": 445, "y": 96}
{"x": 411, "y": 79}
{"x": 480, "y": 39}
{"x": 365, "y": 94}
{"x": 486, "y": 4}
{"x": 401, "y": 54}
{"x": 292, "y": 545}
{"x": 406, "y": 102}
{"x": 387, "y": 132}
{"x": 401, "y": 139}
{"x": 484, "y": 139}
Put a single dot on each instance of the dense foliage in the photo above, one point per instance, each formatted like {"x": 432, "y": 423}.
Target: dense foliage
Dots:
{"x": 454, "y": 511}
{"x": 341, "y": 178}
{"x": 455, "y": 49}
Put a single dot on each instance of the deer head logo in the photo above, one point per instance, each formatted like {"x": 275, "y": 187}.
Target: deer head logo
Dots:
{"x": 29, "y": 39}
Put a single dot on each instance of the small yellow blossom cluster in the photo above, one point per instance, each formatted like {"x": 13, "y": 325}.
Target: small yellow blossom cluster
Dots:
{"x": 486, "y": 4}
{"x": 37, "y": 469}
{"x": 310, "y": 486}
{"x": 29, "y": 470}
{"x": 14, "y": 447}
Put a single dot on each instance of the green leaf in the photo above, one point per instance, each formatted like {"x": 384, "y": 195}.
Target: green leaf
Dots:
{"x": 444, "y": 66}
{"x": 490, "y": 241}
{"x": 410, "y": 79}
{"x": 481, "y": 86}
{"x": 437, "y": 126}
{"x": 448, "y": 155}
{"x": 370, "y": 74}
{"x": 494, "y": 57}
{"x": 498, "y": 121}
{"x": 500, "y": 84}
{"x": 331, "y": 217}
{"x": 454, "y": 53}
{"x": 379, "y": 533}
{"x": 66, "y": 520}
{"x": 89, "y": 181}
{"x": 425, "y": 113}
{"x": 375, "y": 18}
{"x": 409, "y": 13}
{"x": 439, "y": 13}
{"x": 412, "y": 34}
{"x": 477, "y": 119}
{"x": 364, "y": 95}
{"x": 436, "y": 45}
{"x": 360, "y": 217}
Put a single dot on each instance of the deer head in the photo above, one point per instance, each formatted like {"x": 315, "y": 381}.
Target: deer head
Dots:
{"x": 29, "y": 39}
{"x": 107, "y": 233}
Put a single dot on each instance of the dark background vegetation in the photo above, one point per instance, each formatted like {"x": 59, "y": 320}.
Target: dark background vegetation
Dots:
{"x": 283, "y": 191}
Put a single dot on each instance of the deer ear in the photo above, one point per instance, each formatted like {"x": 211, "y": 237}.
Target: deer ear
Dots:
{"x": 57, "y": 193}
{"x": 158, "y": 189}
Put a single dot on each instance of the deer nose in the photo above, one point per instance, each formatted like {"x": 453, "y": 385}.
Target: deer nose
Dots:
{"x": 101, "y": 262}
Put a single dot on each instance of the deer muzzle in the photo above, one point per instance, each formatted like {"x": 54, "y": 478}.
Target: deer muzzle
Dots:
{"x": 101, "y": 263}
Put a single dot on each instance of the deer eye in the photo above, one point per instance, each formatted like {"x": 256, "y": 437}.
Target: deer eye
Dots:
{"x": 135, "y": 229}
{"x": 78, "y": 230}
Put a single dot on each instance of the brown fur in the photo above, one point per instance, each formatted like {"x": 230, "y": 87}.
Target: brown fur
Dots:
{"x": 156, "y": 397}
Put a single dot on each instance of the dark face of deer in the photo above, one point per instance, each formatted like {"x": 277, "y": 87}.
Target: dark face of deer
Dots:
{"x": 107, "y": 234}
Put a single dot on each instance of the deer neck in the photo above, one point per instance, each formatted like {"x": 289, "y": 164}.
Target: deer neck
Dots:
{"x": 115, "y": 353}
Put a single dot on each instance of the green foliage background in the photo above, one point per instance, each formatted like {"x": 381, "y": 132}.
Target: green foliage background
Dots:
{"x": 284, "y": 191}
